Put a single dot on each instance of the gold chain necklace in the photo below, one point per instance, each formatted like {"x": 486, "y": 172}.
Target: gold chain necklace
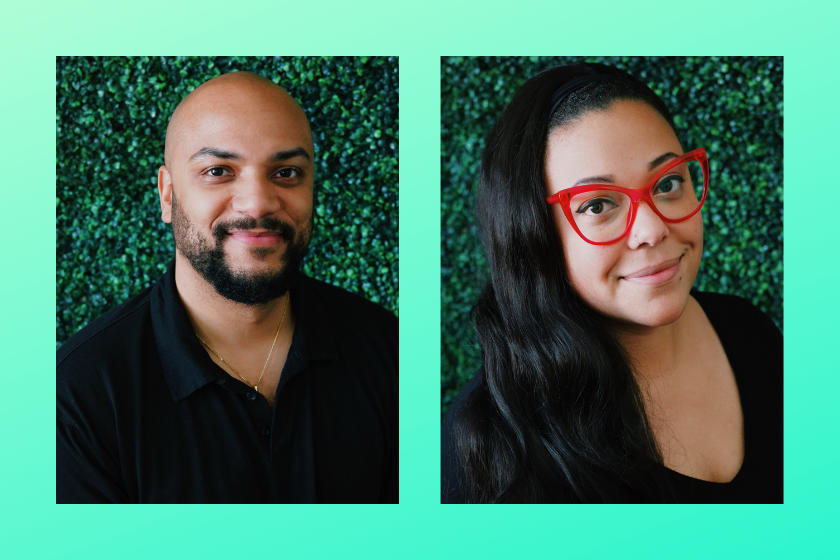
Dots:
{"x": 269, "y": 352}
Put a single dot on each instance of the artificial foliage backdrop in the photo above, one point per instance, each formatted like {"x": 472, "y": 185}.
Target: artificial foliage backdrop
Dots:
{"x": 732, "y": 107}
{"x": 111, "y": 117}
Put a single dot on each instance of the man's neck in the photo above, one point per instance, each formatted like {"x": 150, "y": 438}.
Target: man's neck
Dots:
{"x": 223, "y": 323}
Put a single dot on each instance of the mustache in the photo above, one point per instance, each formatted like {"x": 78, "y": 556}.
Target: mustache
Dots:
{"x": 274, "y": 225}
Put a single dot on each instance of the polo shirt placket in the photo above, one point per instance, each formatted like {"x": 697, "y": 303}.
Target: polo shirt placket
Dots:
{"x": 166, "y": 424}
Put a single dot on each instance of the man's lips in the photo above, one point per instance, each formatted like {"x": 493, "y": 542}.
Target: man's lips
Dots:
{"x": 256, "y": 238}
{"x": 655, "y": 275}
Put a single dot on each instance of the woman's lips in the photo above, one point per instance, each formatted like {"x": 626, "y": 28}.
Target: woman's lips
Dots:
{"x": 655, "y": 275}
{"x": 260, "y": 239}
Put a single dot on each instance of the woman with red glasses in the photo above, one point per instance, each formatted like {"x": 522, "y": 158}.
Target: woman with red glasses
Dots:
{"x": 604, "y": 377}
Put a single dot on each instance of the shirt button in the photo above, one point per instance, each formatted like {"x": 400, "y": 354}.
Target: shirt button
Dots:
{"x": 266, "y": 432}
{"x": 252, "y": 396}
{"x": 221, "y": 381}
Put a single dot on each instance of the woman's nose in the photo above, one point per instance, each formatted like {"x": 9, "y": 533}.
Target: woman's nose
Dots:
{"x": 648, "y": 228}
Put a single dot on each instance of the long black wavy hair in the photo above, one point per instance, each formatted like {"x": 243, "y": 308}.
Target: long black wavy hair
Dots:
{"x": 560, "y": 417}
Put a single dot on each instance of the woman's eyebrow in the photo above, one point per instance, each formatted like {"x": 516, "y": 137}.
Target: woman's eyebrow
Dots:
{"x": 595, "y": 179}
{"x": 611, "y": 178}
{"x": 661, "y": 159}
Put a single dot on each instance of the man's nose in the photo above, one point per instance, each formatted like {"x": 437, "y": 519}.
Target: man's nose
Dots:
{"x": 256, "y": 196}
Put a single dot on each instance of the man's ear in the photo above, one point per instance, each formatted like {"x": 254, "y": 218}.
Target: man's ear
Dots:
{"x": 165, "y": 192}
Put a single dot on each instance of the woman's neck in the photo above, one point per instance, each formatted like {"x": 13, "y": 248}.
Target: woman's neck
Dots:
{"x": 657, "y": 352}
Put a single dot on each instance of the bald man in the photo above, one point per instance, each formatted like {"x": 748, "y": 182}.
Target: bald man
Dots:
{"x": 234, "y": 378}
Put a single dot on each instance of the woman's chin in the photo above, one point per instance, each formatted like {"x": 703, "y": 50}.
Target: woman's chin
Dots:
{"x": 658, "y": 312}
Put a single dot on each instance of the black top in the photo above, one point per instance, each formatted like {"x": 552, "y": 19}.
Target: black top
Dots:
{"x": 753, "y": 346}
{"x": 144, "y": 414}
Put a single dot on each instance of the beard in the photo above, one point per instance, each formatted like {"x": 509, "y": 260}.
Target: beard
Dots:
{"x": 248, "y": 288}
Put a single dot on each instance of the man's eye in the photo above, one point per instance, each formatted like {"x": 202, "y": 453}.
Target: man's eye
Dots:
{"x": 217, "y": 171}
{"x": 287, "y": 173}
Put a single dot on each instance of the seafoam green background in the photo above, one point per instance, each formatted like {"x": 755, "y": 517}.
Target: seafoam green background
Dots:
{"x": 34, "y": 527}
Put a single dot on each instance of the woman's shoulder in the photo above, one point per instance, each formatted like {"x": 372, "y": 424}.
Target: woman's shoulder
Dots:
{"x": 464, "y": 394}
{"x": 452, "y": 480}
{"x": 753, "y": 343}
{"x": 461, "y": 405}
{"x": 755, "y": 350}
{"x": 716, "y": 300}
{"x": 736, "y": 316}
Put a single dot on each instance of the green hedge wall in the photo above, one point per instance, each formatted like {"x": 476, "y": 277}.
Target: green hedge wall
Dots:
{"x": 732, "y": 107}
{"x": 111, "y": 117}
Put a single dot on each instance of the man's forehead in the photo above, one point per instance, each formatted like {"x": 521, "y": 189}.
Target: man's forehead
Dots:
{"x": 238, "y": 104}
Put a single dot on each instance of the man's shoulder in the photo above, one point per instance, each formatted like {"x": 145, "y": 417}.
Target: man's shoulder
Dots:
{"x": 108, "y": 333}
{"x": 343, "y": 303}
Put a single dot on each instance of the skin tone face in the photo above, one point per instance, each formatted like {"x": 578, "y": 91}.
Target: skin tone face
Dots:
{"x": 237, "y": 187}
{"x": 239, "y": 157}
{"x": 642, "y": 280}
{"x": 641, "y": 283}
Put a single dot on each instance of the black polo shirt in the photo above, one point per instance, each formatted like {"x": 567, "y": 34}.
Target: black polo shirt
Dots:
{"x": 144, "y": 414}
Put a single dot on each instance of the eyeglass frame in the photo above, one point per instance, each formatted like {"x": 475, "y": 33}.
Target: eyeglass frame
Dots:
{"x": 564, "y": 196}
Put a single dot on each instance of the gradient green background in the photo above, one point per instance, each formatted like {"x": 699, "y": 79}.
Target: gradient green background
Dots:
{"x": 34, "y": 527}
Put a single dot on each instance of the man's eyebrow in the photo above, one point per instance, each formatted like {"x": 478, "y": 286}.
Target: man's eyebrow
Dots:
{"x": 216, "y": 153}
{"x": 661, "y": 159}
{"x": 289, "y": 154}
{"x": 595, "y": 179}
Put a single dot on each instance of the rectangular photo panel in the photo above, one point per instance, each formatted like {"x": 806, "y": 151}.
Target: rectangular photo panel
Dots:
{"x": 227, "y": 289}
{"x": 612, "y": 280}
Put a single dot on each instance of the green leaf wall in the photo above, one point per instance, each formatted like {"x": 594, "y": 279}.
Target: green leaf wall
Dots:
{"x": 111, "y": 117}
{"x": 732, "y": 107}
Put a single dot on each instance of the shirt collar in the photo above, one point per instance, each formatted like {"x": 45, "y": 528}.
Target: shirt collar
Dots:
{"x": 313, "y": 319}
{"x": 186, "y": 365}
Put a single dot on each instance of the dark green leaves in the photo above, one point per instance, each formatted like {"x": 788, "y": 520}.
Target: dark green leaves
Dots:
{"x": 732, "y": 107}
{"x": 111, "y": 117}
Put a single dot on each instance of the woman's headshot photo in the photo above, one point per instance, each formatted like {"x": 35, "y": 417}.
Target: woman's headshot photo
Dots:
{"x": 611, "y": 301}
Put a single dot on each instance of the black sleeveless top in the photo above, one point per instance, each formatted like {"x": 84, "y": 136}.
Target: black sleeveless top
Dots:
{"x": 753, "y": 345}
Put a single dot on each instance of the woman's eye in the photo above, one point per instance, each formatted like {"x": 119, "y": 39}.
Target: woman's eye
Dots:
{"x": 287, "y": 173}
{"x": 596, "y": 206}
{"x": 668, "y": 185}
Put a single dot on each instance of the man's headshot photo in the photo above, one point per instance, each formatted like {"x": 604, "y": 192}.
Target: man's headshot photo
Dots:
{"x": 226, "y": 278}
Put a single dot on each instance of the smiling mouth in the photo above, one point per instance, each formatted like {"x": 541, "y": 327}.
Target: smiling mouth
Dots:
{"x": 655, "y": 275}
{"x": 257, "y": 238}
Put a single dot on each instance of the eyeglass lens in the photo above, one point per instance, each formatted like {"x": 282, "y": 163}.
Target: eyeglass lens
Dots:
{"x": 601, "y": 215}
